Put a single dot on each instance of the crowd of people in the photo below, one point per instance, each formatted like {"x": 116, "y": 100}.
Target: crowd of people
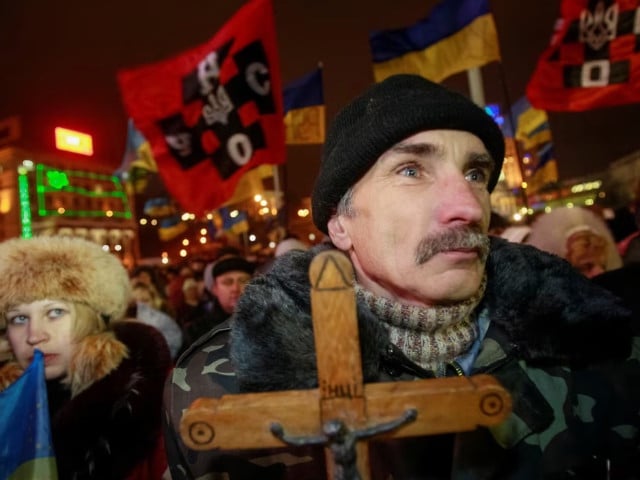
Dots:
{"x": 403, "y": 191}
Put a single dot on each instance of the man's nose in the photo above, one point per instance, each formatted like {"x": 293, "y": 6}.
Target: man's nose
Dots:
{"x": 458, "y": 201}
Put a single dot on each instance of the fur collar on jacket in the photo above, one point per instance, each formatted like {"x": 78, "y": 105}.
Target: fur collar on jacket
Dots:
{"x": 113, "y": 425}
{"x": 549, "y": 312}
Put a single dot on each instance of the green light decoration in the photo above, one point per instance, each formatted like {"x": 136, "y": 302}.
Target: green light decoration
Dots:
{"x": 51, "y": 180}
{"x": 57, "y": 179}
{"x": 25, "y": 204}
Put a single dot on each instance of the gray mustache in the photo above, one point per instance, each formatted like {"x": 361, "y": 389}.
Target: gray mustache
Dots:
{"x": 465, "y": 237}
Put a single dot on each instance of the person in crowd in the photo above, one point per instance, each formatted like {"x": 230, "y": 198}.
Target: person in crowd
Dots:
{"x": 578, "y": 235}
{"x": 143, "y": 308}
{"x": 193, "y": 305}
{"x": 66, "y": 297}
{"x": 288, "y": 244}
{"x": 153, "y": 278}
{"x": 283, "y": 247}
{"x": 403, "y": 190}
{"x": 175, "y": 297}
{"x": 229, "y": 275}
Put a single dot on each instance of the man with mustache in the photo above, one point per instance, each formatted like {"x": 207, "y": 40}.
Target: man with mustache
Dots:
{"x": 403, "y": 190}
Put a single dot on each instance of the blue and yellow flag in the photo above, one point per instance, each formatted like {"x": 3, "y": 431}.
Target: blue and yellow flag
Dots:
{"x": 531, "y": 125}
{"x": 546, "y": 170}
{"x": 170, "y": 227}
{"x": 234, "y": 221}
{"x": 137, "y": 161}
{"x": 457, "y": 36}
{"x": 26, "y": 451}
{"x": 304, "y": 110}
{"x": 159, "y": 207}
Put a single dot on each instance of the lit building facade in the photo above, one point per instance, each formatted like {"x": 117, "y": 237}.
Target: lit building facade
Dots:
{"x": 44, "y": 194}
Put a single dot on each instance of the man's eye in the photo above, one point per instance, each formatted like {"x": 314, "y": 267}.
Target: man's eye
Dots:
{"x": 409, "y": 171}
{"x": 477, "y": 175}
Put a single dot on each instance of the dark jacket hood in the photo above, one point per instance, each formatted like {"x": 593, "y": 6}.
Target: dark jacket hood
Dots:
{"x": 548, "y": 311}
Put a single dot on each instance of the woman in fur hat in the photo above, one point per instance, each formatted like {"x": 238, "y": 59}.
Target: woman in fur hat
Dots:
{"x": 65, "y": 297}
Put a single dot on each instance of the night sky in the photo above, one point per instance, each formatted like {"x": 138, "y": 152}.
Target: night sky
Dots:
{"x": 59, "y": 62}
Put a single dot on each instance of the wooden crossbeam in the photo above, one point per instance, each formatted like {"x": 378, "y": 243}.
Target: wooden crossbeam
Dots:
{"x": 342, "y": 413}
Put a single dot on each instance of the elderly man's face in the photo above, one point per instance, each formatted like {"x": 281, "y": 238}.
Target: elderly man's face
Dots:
{"x": 417, "y": 228}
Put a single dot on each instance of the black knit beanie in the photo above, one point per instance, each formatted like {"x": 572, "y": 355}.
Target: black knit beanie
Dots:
{"x": 232, "y": 264}
{"x": 385, "y": 114}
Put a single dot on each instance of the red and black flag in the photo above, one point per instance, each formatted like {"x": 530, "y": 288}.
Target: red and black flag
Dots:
{"x": 593, "y": 60}
{"x": 213, "y": 112}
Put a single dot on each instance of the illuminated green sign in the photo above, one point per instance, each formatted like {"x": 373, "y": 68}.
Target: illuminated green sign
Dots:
{"x": 57, "y": 179}
{"x": 74, "y": 187}
{"x": 25, "y": 204}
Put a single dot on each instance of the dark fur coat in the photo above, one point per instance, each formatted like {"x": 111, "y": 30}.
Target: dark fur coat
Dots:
{"x": 112, "y": 430}
{"x": 548, "y": 311}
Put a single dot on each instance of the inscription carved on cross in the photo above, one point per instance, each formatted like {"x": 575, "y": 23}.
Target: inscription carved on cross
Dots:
{"x": 343, "y": 412}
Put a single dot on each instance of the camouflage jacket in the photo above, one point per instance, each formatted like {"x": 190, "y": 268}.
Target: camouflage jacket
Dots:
{"x": 557, "y": 342}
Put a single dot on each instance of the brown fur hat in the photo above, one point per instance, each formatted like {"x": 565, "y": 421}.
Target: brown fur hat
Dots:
{"x": 62, "y": 268}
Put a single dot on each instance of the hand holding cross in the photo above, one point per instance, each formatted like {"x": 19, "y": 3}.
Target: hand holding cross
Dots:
{"x": 343, "y": 411}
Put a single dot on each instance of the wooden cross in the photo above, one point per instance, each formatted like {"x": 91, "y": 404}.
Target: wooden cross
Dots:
{"x": 343, "y": 412}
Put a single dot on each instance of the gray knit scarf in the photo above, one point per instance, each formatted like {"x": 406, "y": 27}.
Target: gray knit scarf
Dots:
{"x": 429, "y": 336}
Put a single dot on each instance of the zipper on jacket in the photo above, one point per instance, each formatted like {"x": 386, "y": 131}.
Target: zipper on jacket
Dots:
{"x": 457, "y": 369}
{"x": 394, "y": 362}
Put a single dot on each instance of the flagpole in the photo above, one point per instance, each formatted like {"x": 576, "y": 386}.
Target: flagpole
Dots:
{"x": 245, "y": 243}
{"x": 279, "y": 196}
{"x": 503, "y": 78}
{"x": 476, "y": 87}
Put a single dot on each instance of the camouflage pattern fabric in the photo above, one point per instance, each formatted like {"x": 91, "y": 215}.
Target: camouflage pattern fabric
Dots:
{"x": 206, "y": 371}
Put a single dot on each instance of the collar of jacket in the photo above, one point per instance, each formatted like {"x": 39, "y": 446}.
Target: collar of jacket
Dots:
{"x": 548, "y": 312}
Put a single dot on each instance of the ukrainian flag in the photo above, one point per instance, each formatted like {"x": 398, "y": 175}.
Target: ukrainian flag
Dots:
{"x": 546, "y": 171}
{"x": 538, "y": 136}
{"x": 236, "y": 224}
{"x": 159, "y": 207}
{"x": 532, "y": 125}
{"x": 26, "y": 451}
{"x": 304, "y": 110}
{"x": 457, "y": 36}
{"x": 137, "y": 161}
{"x": 170, "y": 227}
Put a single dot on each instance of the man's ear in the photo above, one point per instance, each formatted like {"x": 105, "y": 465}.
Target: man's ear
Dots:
{"x": 338, "y": 233}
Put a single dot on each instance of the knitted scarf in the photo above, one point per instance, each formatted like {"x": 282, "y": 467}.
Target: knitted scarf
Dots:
{"x": 429, "y": 336}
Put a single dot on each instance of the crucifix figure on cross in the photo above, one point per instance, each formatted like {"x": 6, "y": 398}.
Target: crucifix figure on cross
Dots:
{"x": 343, "y": 412}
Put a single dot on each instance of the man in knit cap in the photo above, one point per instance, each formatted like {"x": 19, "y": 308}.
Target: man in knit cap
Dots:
{"x": 403, "y": 190}
{"x": 229, "y": 275}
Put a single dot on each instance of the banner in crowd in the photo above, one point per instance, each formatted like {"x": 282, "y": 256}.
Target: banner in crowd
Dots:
{"x": 234, "y": 221}
{"x": 533, "y": 132}
{"x": 137, "y": 162}
{"x": 546, "y": 170}
{"x": 170, "y": 227}
{"x": 593, "y": 60}
{"x": 26, "y": 450}
{"x": 456, "y": 36}
{"x": 213, "y": 112}
{"x": 304, "y": 110}
{"x": 532, "y": 124}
